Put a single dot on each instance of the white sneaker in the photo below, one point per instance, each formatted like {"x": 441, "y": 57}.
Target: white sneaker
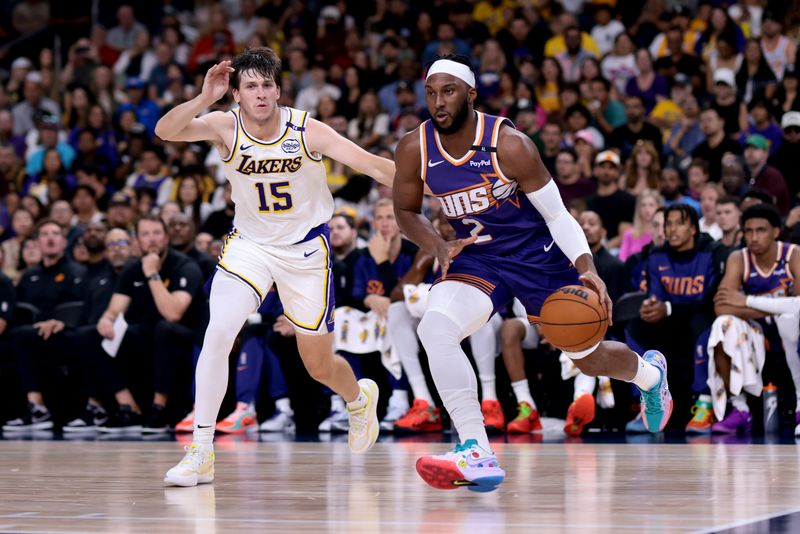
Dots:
{"x": 279, "y": 422}
{"x": 364, "y": 425}
{"x": 396, "y": 410}
{"x": 197, "y": 467}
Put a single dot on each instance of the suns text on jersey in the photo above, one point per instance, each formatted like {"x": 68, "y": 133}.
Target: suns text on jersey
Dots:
{"x": 248, "y": 165}
{"x": 460, "y": 203}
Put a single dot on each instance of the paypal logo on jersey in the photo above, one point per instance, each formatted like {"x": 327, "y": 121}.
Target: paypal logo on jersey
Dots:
{"x": 480, "y": 163}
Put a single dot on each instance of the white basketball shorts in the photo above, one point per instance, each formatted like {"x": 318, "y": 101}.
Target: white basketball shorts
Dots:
{"x": 302, "y": 273}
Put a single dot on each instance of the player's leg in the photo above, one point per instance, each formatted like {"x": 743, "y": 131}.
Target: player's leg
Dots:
{"x": 513, "y": 333}
{"x": 729, "y": 354}
{"x": 456, "y": 310}
{"x": 231, "y": 301}
{"x": 789, "y": 330}
{"x": 484, "y": 349}
{"x": 250, "y": 361}
{"x": 423, "y": 416}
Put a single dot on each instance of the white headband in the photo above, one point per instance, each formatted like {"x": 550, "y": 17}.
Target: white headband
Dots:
{"x": 453, "y": 68}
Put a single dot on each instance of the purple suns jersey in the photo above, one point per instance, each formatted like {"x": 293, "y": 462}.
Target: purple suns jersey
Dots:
{"x": 776, "y": 283}
{"x": 479, "y": 200}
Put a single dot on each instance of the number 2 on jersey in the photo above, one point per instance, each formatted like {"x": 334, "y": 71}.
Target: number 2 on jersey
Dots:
{"x": 476, "y": 232}
{"x": 281, "y": 200}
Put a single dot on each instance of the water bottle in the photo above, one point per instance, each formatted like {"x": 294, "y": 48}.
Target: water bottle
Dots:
{"x": 769, "y": 397}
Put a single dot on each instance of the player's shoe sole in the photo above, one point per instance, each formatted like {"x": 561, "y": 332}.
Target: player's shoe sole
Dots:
{"x": 445, "y": 475}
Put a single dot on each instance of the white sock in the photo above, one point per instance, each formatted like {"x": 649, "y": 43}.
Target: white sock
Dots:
{"x": 400, "y": 395}
{"x": 583, "y": 385}
{"x": 740, "y": 402}
{"x": 203, "y": 435}
{"x": 359, "y": 402}
{"x": 488, "y": 388}
{"x": 523, "y": 392}
{"x": 647, "y": 375}
{"x": 704, "y": 398}
{"x": 454, "y": 376}
{"x": 284, "y": 406}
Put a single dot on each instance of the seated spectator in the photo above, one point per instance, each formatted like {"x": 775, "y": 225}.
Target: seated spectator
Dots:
{"x": 625, "y": 137}
{"x": 736, "y": 368}
{"x": 728, "y": 215}
{"x": 181, "y": 230}
{"x": 89, "y": 155}
{"x": 56, "y": 281}
{"x": 615, "y": 206}
{"x": 24, "y": 112}
{"x": 120, "y": 211}
{"x": 191, "y": 198}
{"x": 755, "y": 78}
{"x": 685, "y": 135}
{"x": 163, "y": 303}
{"x": 786, "y": 157}
{"x": 727, "y": 103}
{"x": 763, "y": 175}
{"x": 370, "y": 125}
{"x": 716, "y": 144}
{"x": 152, "y": 175}
{"x": 762, "y": 124}
{"x": 642, "y": 169}
{"x": 220, "y": 222}
{"x": 22, "y": 226}
{"x": 709, "y": 196}
{"x": 48, "y": 140}
{"x": 670, "y": 185}
{"x": 647, "y": 84}
{"x": 638, "y": 236}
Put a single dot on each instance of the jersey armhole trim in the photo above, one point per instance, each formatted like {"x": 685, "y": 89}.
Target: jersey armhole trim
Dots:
{"x": 746, "y": 266}
{"x": 495, "y": 138}
{"x": 423, "y": 152}
{"x": 235, "y": 139}
{"x": 789, "y": 251}
{"x": 306, "y": 151}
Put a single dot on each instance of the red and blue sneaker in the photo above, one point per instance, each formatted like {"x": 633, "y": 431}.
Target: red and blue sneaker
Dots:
{"x": 467, "y": 465}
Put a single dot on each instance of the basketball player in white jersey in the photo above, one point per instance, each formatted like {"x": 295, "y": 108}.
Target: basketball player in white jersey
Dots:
{"x": 272, "y": 156}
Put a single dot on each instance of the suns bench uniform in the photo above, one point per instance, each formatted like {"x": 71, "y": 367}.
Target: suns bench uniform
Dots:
{"x": 514, "y": 254}
{"x": 280, "y": 232}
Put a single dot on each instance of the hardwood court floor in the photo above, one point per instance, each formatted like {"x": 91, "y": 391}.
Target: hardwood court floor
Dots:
{"x": 51, "y": 486}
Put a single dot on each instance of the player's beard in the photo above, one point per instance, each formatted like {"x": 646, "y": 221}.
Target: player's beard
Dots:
{"x": 458, "y": 120}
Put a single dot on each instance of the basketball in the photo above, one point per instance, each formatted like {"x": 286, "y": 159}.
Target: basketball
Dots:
{"x": 573, "y": 319}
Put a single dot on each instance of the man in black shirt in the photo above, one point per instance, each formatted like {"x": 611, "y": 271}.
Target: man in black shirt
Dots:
{"x": 625, "y": 136}
{"x": 678, "y": 61}
{"x": 609, "y": 267}
{"x": 163, "y": 303}
{"x": 716, "y": 145}
{"x": 181, "y": 238}
{"x": 94, "y": 240}
{"x": 614, "y": 206}
{"x": 57, "y": 280}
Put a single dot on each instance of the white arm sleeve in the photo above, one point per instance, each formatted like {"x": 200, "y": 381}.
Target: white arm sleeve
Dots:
{"x": 774, "y": 305}
{"x": 565, "y": 230}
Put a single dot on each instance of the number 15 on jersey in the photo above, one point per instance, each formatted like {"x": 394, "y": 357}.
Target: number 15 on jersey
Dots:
{"x": 280, "y": 200}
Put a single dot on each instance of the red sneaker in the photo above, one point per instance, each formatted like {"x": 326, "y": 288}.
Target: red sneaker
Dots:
{"x": 493, "y": 418}
{"x": 422, "y": 417}
{"x": 527, "y": 420}
{"x": 580, "y": 413}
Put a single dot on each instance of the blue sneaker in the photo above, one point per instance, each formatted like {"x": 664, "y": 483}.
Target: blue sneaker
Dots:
{"x": 656, "y": 403}
{"x": 468, "y": 465}
{"x": 636, "y": 426}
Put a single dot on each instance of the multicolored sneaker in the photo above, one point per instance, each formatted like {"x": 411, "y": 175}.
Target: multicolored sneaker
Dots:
{"x": 703, "y": 418}
{"x": 197, "y": 467}
{"x": 364, "y": 424}
{"x": 243, "y": 417}
{"x": 422, "y": 417}
{"x": 580, "y": 414}
{"x": 736, "y": 421}
{"x": 656, "y": 404}
{"x": 527, "y": 420}
{"x": 493, "y": 417}
{"x": 468, "y": 465}
{"x": 186, "y": 424}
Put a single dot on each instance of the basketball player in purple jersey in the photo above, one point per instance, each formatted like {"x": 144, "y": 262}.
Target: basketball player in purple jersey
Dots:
{"x": 515, "y": 238}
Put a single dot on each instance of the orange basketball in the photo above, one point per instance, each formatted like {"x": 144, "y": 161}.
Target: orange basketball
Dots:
{"x": 573, "y": 319}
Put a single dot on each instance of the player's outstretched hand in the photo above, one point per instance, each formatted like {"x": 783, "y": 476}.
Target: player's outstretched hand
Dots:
{"x": 593, "y": 281}
{"x": 449, "y": 250}
{"x": 217, "y": 80}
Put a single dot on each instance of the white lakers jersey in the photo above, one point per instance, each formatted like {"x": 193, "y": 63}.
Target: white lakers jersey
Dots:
{"x": 280, "y": 190}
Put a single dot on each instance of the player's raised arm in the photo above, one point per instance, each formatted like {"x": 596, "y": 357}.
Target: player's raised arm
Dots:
{"x": 324, "y": 139}
{"x": 520, "y": 160}
{"x": 182, "y": 124}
